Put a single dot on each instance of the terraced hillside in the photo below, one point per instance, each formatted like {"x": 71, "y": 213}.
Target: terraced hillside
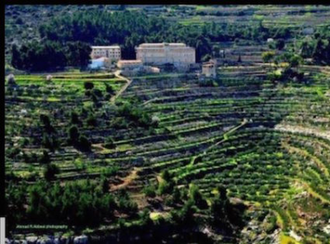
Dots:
{"x": 279, "y": 15}
{"x": 32, "y": 96}
{"x": 268, "y": 144}
{"x": 170, "y": 157}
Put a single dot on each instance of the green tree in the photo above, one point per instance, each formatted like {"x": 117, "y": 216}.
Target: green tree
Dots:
{"x": 73, "y": 134}
{"x": 109, "y": 88}
{"x": 166, "y": 175}
{"x": 50, "y": 171}
{"x": 150, "y": 191}
{"x": 49, "y": 141}
{"x": 88, "y": 85}
{"x": 239, "y": 60}
{"x": 197, "y": 197}
{"x": 280, "y": 44}
{"x": 36, "y": 56}
{"x": 16, "y": 59}
{"x": 45, "y": 158}
{"x": 307, "y": 48}
{"x": 295, "y": 61}
{"x": 216, "y": 51}
{"x": 84, "y": 144}
{"x": 186, "y": 214}
{"x": 91, "y": 120}
{"x": 74, "y": 118}
{"x": 267, "y": 56}
{"x": 321, "y": 54}
{"x": 78, "y": 54}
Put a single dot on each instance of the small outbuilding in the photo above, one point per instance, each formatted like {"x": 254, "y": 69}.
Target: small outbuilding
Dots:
{"x": 209, "y": 69}
{"x": 129, "y": 64}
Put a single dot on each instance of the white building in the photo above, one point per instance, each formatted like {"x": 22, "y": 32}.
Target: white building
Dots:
{"x": 177, "y": 54}
{"x": 110, "y": 52}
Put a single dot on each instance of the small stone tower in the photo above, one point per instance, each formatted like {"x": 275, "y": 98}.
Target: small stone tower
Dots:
{"x": 209, "y": 69}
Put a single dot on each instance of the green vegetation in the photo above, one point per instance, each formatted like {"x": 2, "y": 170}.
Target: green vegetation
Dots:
{"x": 66, "y": 38}
{"x": 175, "y": 158}
{"x": 50, "y": 56}
{"x": 79, "y": 204}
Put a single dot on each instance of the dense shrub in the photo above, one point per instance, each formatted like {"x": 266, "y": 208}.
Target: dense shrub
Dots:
{"x": 84, "y": 144}
{"x": 88, "y": 85}
{"x": 150, "y": 191}
{"x": 73, "y": 134}
{"x": 50, "y": 171}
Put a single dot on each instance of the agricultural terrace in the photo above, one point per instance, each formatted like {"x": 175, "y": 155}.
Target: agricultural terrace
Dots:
{"x": 170, "y": 157}
{"x": 268, "y": 144}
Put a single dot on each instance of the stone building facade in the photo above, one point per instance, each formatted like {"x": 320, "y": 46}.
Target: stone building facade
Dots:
{"x": 177, "y": 54}
{"x": 113, "y": 53}
{"x": 209, "y": 69}
{"x": 129, "y": 64}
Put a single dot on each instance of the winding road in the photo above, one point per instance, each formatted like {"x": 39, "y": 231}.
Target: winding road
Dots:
{"x": 117, "y": 74}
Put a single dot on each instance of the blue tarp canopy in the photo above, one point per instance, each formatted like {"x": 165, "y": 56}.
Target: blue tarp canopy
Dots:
{"x": 97, "y": 63}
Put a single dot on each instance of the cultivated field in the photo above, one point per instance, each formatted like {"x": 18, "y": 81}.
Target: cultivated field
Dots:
{"x": 267, "y": 144}
{"x": 128, "y": 150}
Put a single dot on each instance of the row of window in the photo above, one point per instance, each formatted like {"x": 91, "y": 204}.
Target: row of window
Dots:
{"x": 102, "y": 52}
{"x": 163, "y": 51}
{"x": 166, "y": 56}
{"x": 111, "y": 50}
{"x": 162, "y": 55}
{"x": 184, "y": 60}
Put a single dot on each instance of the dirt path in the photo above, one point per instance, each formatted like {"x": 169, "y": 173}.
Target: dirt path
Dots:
{"x": 225, "y": 138}
{"x": 117, "y": 74}
{"x": 303, "y": 130}
{"x": 127, "y": 180}
{"x": 159, "y": 179}
{"x": 140, "y": 199}
{"x": 149, "y": 101}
